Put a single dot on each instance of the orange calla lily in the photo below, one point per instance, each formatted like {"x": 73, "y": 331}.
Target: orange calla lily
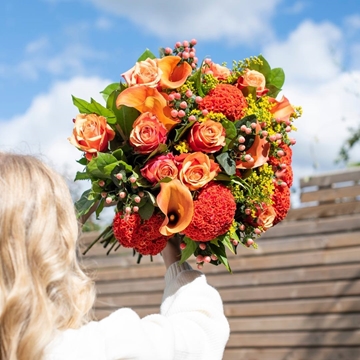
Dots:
{"x": 173, "y": 75}
{"x": 176, "y": 202}
{"x": 282, "y": 109}
{"x": 259, "y": 151}
{"x": 146, "y": 99}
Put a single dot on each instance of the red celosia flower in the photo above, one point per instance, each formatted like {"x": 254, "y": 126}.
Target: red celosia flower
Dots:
{"x": 142, "y": 235}
{"x": 225, "y": 99}
{"x": 214, "y": 210}
{"x": 281, "y": 199}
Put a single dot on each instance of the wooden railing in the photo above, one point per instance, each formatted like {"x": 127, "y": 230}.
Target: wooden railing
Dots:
{"x": 295, "y": 298}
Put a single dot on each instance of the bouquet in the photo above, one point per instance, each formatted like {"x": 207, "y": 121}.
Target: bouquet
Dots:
{"x": 188, "y": 148}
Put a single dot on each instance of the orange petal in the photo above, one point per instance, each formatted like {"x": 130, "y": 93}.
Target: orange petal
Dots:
{"x": 173, "y": 75}
{"x": 282, "y": 109}
{"x": 145, "y": 99}
{"x": 176, "y": 202}
{"x": 259, "y": 151}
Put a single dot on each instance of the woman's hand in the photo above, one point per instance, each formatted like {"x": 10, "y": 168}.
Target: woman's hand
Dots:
{"x": 172, "y": 252}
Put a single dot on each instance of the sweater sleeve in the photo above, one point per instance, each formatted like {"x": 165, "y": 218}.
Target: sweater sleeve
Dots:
{"x": 191, "y": 326}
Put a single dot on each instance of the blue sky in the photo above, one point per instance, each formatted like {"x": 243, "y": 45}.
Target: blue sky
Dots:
{"x": 51, "y": 49}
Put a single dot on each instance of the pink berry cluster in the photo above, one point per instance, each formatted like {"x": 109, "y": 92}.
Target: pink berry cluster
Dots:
{"x": 127, "y": 192}
{"x": 186, "y": 50}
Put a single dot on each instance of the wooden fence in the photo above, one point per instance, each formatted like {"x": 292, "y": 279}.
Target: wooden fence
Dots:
{"x": 295, "y": 298}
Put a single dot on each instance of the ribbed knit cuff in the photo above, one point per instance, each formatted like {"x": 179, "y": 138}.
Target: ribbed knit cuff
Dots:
{"x": 175, "y": 269}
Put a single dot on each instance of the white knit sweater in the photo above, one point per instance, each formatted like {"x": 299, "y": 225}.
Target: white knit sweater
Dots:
{"x": 191, "y": 326}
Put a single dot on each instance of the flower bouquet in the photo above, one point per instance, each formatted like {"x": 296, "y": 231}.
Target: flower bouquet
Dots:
{"x": 195, "y": 149}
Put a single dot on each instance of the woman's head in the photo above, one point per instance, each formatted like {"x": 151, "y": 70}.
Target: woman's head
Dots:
{"x": 42, "y": 287}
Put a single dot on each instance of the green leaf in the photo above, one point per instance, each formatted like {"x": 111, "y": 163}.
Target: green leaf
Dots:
{"x": 277, "y": 78}
{"x": 190, "y": 248}
{"x": 125, "y": 117}
{"x": 220, "y": 252}
{"x": 109, "y": 89}
{"x": 84, "y": 106}
{"x": 101, "y": 110}
{"x": 273, "y": 91}
{"x": 83, "y": 161}
{"x": 99, "y": 208}
{"x": 147, "y": 210}
{"x": 182, "y": 130}
{"x": 146, "y": 54}
{"x": 83, "y": 205}
{"x": 226, "y": 240}
{"x": 227, "y": 163}
{"x": 82, "y": 176}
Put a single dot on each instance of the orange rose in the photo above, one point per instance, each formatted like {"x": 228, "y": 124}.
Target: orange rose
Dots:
{"x": 196, "y": 169}
{"x": 147, "y": 133}
{"x": 165, "y": 72}
{"x": 91, "y": 134}
{"x": 218, "y": 71}
{"x": 208, "y": 136}
{"x": 255, "y": 79}
{"x": 266, "y": 217}
{"x": 144, "y": 72}
{"x": 159, "y": 168}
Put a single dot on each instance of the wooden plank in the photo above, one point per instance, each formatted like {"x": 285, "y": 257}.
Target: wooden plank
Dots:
{"x": 331, "y": 194}
{"x": 294, "y": 307}
{"x": 308, "y": 307}
{"x": 241, "y": 264}
{"x": 298, "y": 323}
{"x": 310, "y": 353}
{"x": 292, "y": 339}
{"x": 263, "y": 293}
{"x": 326, "y": 179}
{"x": 325, "y": 210}
{"x": 290, "y": 227}
{"x": 241, "y": 279}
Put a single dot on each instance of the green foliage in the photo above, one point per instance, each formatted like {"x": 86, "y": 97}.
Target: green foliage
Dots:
{"x": 350, "y": 142}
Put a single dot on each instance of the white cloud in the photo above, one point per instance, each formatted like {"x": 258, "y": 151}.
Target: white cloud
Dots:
{"x": 37, "y": 45}
{"x": 44, "y": 128}
{"x": 315, "y": 80}
{"x": 353, "y": 22}
{"x": 103, "y": 23}
{"x": 296, "y": 8}
{"x": 311, "y": 54}
{"x": 235, "y": 21}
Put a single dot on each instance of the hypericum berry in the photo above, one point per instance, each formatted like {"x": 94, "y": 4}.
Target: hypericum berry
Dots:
{"x": 202, "y": 246}
{"x": 181, "y": 113}
{"x": 272, "y": 137}
{"x": 204, "y": 112}
{"x": 199, "y": 259}
{"x": 128, "y": 210}
{"x": 171, "y": 97}
{"x": 183, "y": 105}
{"x": 235, "y": 242}
{"x": 207, "y": 259}
{"x": 174, "y": 113}
{"x": 108, "y": 200}
{"x": 104, "y": 194}
{"x": 257, "y": 231}
{"x": 137, "y": 199}
{"x": 188, "y": 93}
{"x": 168, "y": 51}
{"x": 185, "y": 55}
{"x": 177, "y": 96}
{"x": 292, "y": 141}
{"x": 135, "y": 209}
{"x": 247, "y": 211}
{"x": 119, "y": 176}
{"x": 249, "y": 242}
{"x": 182, "y": 246}
{"x": 213, "y": 257}
{"x": 101, "y": 183}
{"x": 193, "y": 42}
{"x": 242, "y": 227}
{"x": 241, "y": 139}
{"x": 242, "y": 147}
{"x": 178, "y": 44}
{"x": 132, "y": 179}
{"x": 185, "y": 43}
{"x": 198, "y": 99}
{"x": 122, "y": 194}
{"x": 192, "y": 118}
{"x": 280, "y": 153}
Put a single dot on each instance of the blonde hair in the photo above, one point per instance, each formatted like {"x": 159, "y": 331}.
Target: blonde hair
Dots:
{"x": 42, "y": 287}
